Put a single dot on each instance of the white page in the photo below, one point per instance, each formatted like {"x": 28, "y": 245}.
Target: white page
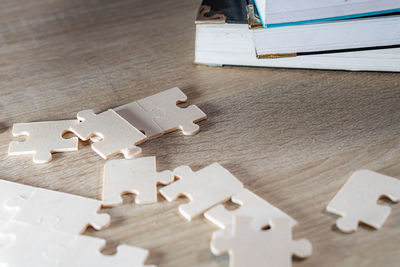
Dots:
{"x": 287, "y": 11}
{"x": 337, "y": 35}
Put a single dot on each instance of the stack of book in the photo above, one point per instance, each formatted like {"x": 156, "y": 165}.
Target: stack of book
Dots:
{"x": 329, "y": 34}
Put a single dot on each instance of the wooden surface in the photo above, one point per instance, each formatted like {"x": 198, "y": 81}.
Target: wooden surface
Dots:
{"x": 291, "y": 136}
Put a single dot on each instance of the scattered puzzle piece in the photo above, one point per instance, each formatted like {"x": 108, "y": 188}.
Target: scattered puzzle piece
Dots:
{"x": 357, "y": 200}
{"x": 137, "y": 176}
{"x": 205, "y": 188}
{"x": 252, "y": 206}
{"x": 43, "y": 138}
{"x": 113, "y": 133}
{"x": 168, "y": 116}
{"x": 140, "y": 118}
{"x": 250, "y": 247}
{"x": 72, "y": 213}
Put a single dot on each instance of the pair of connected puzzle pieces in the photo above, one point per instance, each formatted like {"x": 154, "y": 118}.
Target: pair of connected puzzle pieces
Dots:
{"x": 40, "y": 227}
{"x": 357, "y": 200}
{"x": 114, "y": 131}
{"x": 241, "y": 235}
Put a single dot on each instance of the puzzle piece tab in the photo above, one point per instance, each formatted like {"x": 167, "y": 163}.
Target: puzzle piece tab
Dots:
{"x": 168, "y": 116}
{"x": 251, "y": 206}
{"x": 113, "y": 133}
{"x": 250, "y": 247}
{"x": 71, "y": 213}
{"x": 205, "y": 188}
{"x": 357, "y": 200}
{"x": 43, "y": 138}
{"x": 137, "y": 176}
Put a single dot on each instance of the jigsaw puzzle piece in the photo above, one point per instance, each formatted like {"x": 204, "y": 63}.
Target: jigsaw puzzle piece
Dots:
{"x": 357, "y": 200}
{"x": 9, "y": 190}
{"x": 43, "y": 138}
{"x": 205, "y": 188}
{"x": 171, "y": 116}
{"x": 42, "y": 204}
{"x": 113, "y": 133}
{"x": 30, "y": 243}
{"x": 251, "y": 206}
{"x": 85, "y": 251}
{"x": 248, "y": 246}
{"x": 140, "y": 118}
{"x": 137, "y": 176}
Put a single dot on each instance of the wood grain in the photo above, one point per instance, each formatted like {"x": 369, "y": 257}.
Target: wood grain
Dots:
{"x": 291, "y": 136}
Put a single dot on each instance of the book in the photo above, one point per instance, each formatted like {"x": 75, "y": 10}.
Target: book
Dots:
{"x": 223, "y": 38}
{"x": 276, "y": 13}
{"x": 365, "y": 33}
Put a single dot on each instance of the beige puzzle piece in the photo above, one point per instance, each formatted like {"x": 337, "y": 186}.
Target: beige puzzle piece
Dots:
{"x": 72, "y": 213}
{"x": 205, "y": 188}
{"x": 250, "y": 247}
{"x": 43, "y": 138}
{"x": 251, "y": 206}
{"x": 357, "y": 200}
{"x": 168, "y": 116}
{"x": 116, "y": 134}
{"x": 137, "y": 176}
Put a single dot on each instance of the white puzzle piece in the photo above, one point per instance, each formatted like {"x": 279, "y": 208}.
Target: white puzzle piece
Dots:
{"x": 250, "y": 247}
{"x": 72, "y": 213}
{"x": 41, "y": 245}
{"x": 140, "y": 118}
{"x": 357, "y": 200}
{"x": 30, "y": 243}
{"x": 84, "y": 251}
{"x": 110, "y": 132}
{"x": 43, "y": 138}
{"x": 10, "y": 190}
{"x": 168, "y": 116}
{"x": 137, "y": 176}
{"x": 252, "y": 206}
{"x": 205, "y": 188}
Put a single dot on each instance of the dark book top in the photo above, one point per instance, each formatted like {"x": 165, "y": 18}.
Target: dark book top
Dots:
{"x": 222, "y": 11}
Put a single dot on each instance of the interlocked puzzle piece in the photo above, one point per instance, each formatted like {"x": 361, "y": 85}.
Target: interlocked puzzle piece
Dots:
{"x": 357, "y": 200}
{"x": 113, "y": 133}
{"x": 140, "y": 118}
{"x": 41, "y": 245}
{"x": 159, "y": 113}
{"x": 10, "y": 190}
{"x": 29, "y": 243}
{"x": 137, "y": 176}
{"x": 43, "y": 138}
{"x": 250, "y": 247}
{"x": 205, "y": 188}
{"x": 84, "y": 251}
{"x": 71, "y": 213}
{"x": 252, "y": 206}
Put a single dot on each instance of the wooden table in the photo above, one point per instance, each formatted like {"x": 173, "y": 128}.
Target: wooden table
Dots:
{"x": 291, "y": 136}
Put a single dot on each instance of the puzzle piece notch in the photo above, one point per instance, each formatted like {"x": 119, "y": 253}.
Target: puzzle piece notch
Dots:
{"x": 43, "y": 139}
{"x": 43, "y": 204}
{"x": 357, "y": 200}
{"x": 248, "y": 246}
{"x": 205, "y": 188}
{"x": 116, "y": 134}
{"x": 251, "y": 205}
{"x": 173, "y": 117}
{"x": 137, "y": 176}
